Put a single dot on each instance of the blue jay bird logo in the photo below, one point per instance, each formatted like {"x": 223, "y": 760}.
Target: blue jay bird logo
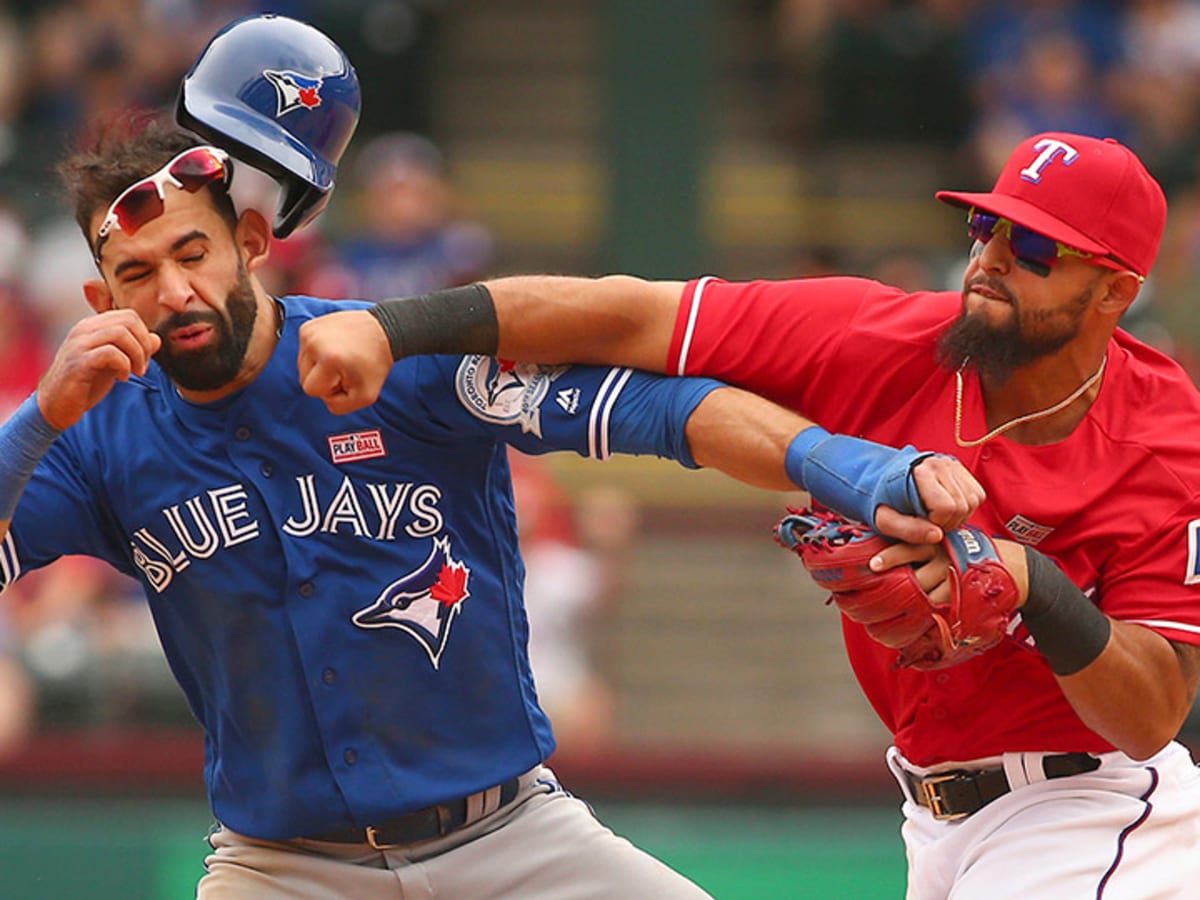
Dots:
{"x": 294, "y": 90}
{"x": 424, "y": 603}
{"x": 504, "y": 392}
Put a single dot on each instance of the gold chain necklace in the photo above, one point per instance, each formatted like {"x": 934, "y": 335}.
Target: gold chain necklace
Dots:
{"x": 1019, "y": 420}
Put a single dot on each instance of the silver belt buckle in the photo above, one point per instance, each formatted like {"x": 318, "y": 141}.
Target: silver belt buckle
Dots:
{"x": 933, "y": 799}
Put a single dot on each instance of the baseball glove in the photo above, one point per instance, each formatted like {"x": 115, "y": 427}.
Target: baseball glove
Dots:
{"x": 891, "y": 605}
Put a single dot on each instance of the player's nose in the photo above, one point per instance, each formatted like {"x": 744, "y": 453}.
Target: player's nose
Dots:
{"x": 996, "y": 254}
{"x": 174, "y": 288}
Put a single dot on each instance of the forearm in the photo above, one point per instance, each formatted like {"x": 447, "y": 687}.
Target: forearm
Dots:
{"x": 744, "y": 436}
{"x": 1135, "y": 694}
{"x": 24, "y": 440}
{"x": 616, "y": 320}
{"x": 1125, "y": 682}
{"x": 771, "y": 447}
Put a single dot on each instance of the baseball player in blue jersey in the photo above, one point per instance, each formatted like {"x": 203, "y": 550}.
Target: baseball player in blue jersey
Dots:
{"x": 339, "y": 597}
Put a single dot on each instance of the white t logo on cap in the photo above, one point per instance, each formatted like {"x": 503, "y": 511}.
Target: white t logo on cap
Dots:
{"x": 1051, "y": 150}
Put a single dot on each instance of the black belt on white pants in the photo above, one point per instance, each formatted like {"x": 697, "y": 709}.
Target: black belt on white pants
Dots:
{"x": 958, "y": 793}
{"x": 425, "y": 824}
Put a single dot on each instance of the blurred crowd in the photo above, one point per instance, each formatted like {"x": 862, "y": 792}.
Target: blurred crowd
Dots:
{"x": 970, "y": 78}
{"x": 967, "y": 78}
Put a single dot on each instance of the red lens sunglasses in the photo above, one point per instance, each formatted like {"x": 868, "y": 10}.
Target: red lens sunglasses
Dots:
{"x": 144, "y": 200}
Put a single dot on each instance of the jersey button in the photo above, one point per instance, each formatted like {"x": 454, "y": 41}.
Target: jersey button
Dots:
{"x": 242, "y": 433}
{"x": 350, "y": 756}
{"x": 267, "y": 469}
{"x": 986, "y": 454}
{"x": 329, "y": 676}
{"x": 307, "y": 589}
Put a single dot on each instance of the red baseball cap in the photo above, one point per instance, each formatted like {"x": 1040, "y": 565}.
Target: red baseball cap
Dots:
{"x": 1091, "y": 194}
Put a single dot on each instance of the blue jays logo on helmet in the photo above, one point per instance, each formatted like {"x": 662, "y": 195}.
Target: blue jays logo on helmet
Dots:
{"x": 424, "y": 603}
{"x": 294, "y": 91}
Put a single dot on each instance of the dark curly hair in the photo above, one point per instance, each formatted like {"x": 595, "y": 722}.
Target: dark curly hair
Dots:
{"x": 121, "y": 152}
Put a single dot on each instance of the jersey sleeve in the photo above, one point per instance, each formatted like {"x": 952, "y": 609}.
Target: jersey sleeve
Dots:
{"x": 1155, "y": 580}
{"x": 799, "y": 342}
{"x": 762, "y": 334}
{"x": 591, "y": 410}
{"x": 59, "y": 515}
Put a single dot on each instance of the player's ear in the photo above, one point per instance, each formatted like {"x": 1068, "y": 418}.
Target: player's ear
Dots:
{"x": 1122, "y": 291}
{"x": 253, "y": 237}
{"x": 97, "y": 294}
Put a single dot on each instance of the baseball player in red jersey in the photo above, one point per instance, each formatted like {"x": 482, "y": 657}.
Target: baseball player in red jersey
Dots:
{"x": 1046, "y": 766}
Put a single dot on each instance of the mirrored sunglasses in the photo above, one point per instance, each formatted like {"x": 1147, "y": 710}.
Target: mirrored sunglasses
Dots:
{"x": 144, "y": 200}
{"x": 1034, "y": 251}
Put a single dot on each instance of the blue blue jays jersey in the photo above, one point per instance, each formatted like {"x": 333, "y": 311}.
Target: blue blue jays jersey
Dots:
{"x": 338, "y": 596}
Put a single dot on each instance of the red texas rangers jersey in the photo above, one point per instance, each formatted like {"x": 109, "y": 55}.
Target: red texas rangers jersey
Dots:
{"x": 1116, "y": 504}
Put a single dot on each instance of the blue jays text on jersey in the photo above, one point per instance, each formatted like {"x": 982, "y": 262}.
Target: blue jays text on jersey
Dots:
{"x": 338, "y": 596}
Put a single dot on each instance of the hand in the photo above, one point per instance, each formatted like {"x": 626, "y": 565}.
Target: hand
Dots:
{"x": 950, "y": 494}
{"x": 948, "y": 490}
{"x": 930, "y": 562}
{"x": 932, "y": 565}
{"x": 344, "y": 359}
{"x": 96, "y": 353}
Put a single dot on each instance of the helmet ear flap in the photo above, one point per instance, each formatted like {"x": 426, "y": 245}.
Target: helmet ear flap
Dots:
{"x": 280, "y": 95}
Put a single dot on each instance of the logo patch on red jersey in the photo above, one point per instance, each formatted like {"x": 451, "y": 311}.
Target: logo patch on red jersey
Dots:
{"x": 344, "y": 448}
{"x": 1027, "y": 531}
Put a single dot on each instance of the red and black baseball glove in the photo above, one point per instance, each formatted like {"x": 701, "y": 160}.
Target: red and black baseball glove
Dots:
{"x": 891, "y": 605}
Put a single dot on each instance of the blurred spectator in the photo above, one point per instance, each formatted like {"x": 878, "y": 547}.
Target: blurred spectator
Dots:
{"x": 16, "y": 694}
{"x": 887, "y": 70}
{"x": 573, "y": 556}
{"x": 409, "y": 237}
{"x": 999, "y": 33}
{"x": 395, "y": 48}
{"x": 1160, "y": 86}
{"x": 85, "y": 637}
{"x": 24, "y": 351}
{"x": 1057, "y": 91}
{"x": 11, "y": 64}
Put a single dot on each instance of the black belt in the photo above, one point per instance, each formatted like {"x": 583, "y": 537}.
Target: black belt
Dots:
{"x": 424, "y": 824}
{"x": 958, "y": 793}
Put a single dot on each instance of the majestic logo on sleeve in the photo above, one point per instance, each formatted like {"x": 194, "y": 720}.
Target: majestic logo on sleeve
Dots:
{"x": 424, "y": 603}
{"x": 504, "y": 392}
{"x": 293, "y": 90}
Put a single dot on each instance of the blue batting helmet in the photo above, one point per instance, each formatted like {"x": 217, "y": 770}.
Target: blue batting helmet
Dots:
{"x": 281, "y": 96}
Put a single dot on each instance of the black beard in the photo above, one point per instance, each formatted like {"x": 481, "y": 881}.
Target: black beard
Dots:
{"x": 214, "y": 366}
{"x": 997, "y": 351}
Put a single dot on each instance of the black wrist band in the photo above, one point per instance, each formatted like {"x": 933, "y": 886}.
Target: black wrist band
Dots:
{"x": 1069, "y": 628}
{"x": 456, "y": 320}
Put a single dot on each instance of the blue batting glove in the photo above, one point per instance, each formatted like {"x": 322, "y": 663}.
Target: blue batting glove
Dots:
{"x": 853, "y": 476}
